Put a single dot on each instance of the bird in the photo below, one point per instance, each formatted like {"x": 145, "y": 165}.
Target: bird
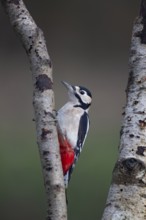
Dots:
{"x": 72, "y": 127}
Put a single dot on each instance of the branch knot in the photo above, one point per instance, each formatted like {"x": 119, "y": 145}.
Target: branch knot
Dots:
{"x": 129, "y": 171}
{"x": 43, "y": 82}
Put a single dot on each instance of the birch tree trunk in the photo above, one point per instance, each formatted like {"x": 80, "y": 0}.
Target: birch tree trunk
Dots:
{"x": 127, "y": 194}
{"x": 43, "y": 99}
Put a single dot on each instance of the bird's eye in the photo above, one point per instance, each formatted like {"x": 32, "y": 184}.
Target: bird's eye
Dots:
{"x": 82, "y": 92}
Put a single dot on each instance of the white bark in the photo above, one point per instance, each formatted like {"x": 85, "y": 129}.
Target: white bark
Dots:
{"x": 127, "y": 194}
{"x": 43, "y": 99}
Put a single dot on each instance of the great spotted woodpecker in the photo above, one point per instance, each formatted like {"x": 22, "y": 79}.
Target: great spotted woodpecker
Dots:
{"x": 73, "y": 126}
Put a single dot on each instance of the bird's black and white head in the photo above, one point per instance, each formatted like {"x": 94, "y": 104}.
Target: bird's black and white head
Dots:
{"x": 79, "y": 96}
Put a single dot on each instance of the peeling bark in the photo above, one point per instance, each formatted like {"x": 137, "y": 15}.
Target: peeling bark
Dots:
{"x": 43, "y": 100}
{"x": 127, "y": 194}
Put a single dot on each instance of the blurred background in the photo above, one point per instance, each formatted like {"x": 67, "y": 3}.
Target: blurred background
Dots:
{"x": 88, "y": 42}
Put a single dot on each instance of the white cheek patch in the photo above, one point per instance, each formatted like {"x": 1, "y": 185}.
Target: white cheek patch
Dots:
{"x": 86, "y": 99}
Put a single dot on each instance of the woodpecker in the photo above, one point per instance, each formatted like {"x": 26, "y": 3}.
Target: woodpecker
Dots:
{"x": 73, "y": 126}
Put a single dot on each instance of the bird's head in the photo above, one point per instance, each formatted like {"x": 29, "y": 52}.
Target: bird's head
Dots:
{"x": 79, "y": 95}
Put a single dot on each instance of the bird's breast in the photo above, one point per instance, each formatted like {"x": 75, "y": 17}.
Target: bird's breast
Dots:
{"x": 68, "y": 123}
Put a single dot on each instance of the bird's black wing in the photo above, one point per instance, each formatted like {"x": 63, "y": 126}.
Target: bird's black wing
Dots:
{"x": 82, "y": 133}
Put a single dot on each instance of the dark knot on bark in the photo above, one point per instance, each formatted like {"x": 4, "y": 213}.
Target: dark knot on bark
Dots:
{"x": 129, "y": 171}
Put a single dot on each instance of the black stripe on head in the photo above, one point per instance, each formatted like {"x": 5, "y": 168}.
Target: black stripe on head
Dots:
{"x": 82, "y": 104}
{"x": 85, "y": 89}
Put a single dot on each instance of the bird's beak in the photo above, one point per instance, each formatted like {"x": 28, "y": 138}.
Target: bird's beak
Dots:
{"x": 68, "y": 86}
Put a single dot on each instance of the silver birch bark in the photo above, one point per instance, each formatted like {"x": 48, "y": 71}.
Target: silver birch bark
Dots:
{"x": 127, "y": 194}
{"x": 43, "y": 100}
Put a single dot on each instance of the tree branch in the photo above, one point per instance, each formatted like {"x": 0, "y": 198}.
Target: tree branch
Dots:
{"x": 43, "y": 100}
{"x": 127, "y": 194}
